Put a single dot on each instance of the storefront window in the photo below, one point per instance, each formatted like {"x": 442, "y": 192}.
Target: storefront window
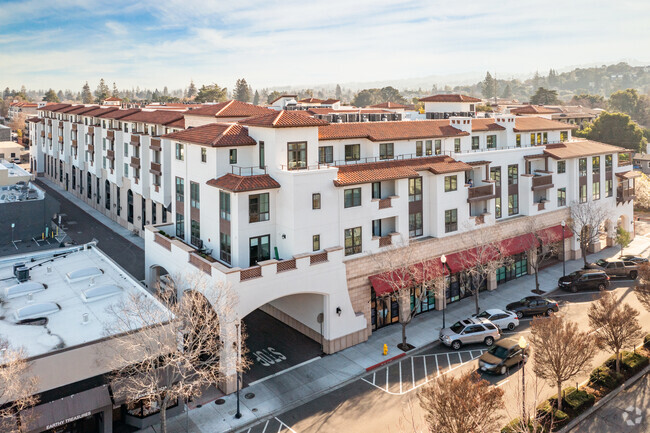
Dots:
{"x": 518, "y": 267}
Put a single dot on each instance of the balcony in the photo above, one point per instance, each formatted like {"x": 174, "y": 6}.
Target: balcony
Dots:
{"x": 542, "y": 182}
{"x": 155, "y": 144}
{"x": 110, "y": 134}
{"x": 110, "y": 154}
{"x": 478, "y": 193}
{"x": 135, "y": 140}
{"x": 90, "y": 147}
{"x": 247, "y": 171}
{"x": 135, "y": 162}
{"x": 43, "y": 134}
{"x": 155, "y": 169}
{"x": 623, "y": 194}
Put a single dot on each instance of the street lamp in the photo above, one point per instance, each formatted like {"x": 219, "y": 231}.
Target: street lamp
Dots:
{"x": 563, "y": 224}
{"x": 238, "y": 414}
{"x": 443, "y": 260}
{"x": 523, "y": 344}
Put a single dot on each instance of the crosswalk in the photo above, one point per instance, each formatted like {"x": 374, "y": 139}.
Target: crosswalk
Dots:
{"x": 411, "y": 373}
{"x": 272, "y": 425}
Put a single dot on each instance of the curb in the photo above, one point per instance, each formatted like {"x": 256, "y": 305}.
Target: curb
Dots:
{"x": 382, "y": 363}
{"x": 631, "y": 381}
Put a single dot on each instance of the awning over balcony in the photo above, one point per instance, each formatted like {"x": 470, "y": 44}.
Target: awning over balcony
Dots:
{"x": 392, "y": 281}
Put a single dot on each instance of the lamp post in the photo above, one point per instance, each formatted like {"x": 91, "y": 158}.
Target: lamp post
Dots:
{"x": 238, "y": 414}
{"x": 563, "y": 224}
{"x": 443, "y": 260}
{"x": 523, "y": 344}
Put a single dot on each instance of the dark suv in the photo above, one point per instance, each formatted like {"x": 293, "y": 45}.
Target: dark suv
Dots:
{"x": 501, "y": 356}
{"x": 532, "y": 306}
{"x": 584, "y": 279}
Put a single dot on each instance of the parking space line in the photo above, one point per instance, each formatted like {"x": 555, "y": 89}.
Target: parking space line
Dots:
{"x": 412, "y": 372}
{"x": 386, "y": 379}
{"x": 424, "y": 361}
{"x": 400, "y": 377}
{"x": 448, "y": 361}
{"x": 284, "y": 425}
{"x": 503, "y": 383}
{"x": 265, "y": 426}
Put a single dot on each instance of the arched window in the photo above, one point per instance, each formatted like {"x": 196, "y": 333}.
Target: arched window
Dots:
{"x": 107, "y": 195}
{"x": 129, "y": 206}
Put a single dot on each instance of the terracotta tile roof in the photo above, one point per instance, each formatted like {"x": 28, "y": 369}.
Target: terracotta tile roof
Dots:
{"x": 68, "y": 109}
{"x": 158, "y": 117}
{"x": 311, "y": 101}
{"x": 486, "y": 125}
{"x": 54, "y": 107}
{"x": 231, "y": 108}
{"x": 180, "y": 123}
{"x": 533, "y": 123}
{"x": 99, "y": 111}
{"x": 577, "y": 148}
{"x": 215, "y": 135}
{"x": 330, "y": 101}
{"x": 34, "y": 119}
{"x": 283, "y": 119}
{"x": 81, "y": 109}
{"x": 629, "y": 174}
{"x": 533, "y": 109}
{"x": 385, "y": 131}
{"x": 329, "y": 110}
{"x": 112, "y": 98}
{"x": 388, "y": 105}
{"x": 449, "y": 98}
{"x": 284, "y": 96}
{"x": 118, "y": 114}
{"x": 397, "y": 169}
{"x": 307, "y": 113}
{"x": 236, "y": 183}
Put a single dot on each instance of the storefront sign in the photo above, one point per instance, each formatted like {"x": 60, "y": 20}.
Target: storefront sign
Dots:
{"x": 67, "y": 420}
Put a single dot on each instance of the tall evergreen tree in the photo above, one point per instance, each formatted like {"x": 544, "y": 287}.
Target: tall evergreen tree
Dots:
{"x": 50, "y": 96}
{"x": 102, "y": 92}
{"x": 86, "y": 95}
{"x": 165, "y": 91}
{"x": 489, "y": 86}
{"x": 116, "y": 93}
{"x": 256, "y": 98}
{"x": 339, "y": 92}
{"x": 191, "y": 91}
{"x": 242, "y": 91}
{"x": 507, "y": 92}
{"x": 59, "y": 95}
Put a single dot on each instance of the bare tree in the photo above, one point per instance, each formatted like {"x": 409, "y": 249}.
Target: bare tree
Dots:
{"x": 585, "y": 222}
{"x": 461, "y": 404}
{"x": 615, "y": 325}
{"x": 163, "y": 352}
{"x": 540, "y": 248}
{"x": 560, "y": 350}
{"x": 17, "y": 388}
{"x": 643, "y": 289}
{"x": 18, "y": 122}
{"x": 481, "y": 261}
{"x": 406, "y": 276}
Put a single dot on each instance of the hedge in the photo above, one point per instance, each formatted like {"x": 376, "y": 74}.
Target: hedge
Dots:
{"x": 646, "y": 341}
{"x": 631, "y": 362}
{"x": 578, "y": 400}
{"x": 605, "y": 377}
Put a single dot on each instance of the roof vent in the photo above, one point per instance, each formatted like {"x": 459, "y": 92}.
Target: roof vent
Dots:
{"x": 84, "y": 320}
{"x": 36, "y": 310}
{"x": 84, "y": 274}
{"x": 22, "y": 289}
{"x": 100, "y": 292}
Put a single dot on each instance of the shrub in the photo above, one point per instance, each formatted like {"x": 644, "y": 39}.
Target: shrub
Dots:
{"x": 605, "y": 377}
{"x": 578, "y": 400}
{"x": 514, "y": 426}
{"x": 646, "y": 341}
{"x": 634, "y": 362}
{"x": 546, "y": 412}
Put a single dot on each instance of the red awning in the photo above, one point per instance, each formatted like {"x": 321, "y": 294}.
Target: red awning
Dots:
{"x": 392, "y": 281}
{"x": 466, "y": 259}
{"x": 554, "y": 234}
{"x": 518, "y": 244}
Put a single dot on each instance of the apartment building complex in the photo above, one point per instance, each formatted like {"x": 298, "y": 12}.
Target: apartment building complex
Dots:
{"x": 297, "y": 214}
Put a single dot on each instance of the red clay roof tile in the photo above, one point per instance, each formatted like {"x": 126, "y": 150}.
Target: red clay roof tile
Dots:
{"x": 534, "y": 123}
{"x": 449, "y": 98}
{"x": 578, "y": 148}
{"x": 158, "y": 117}
{"x": 231, "y": 108}
{"x": 383, "y": 131}
{"x": 236, "y": 183}
{"x": 283, "y": 119}
{"x": 215, "y": 135}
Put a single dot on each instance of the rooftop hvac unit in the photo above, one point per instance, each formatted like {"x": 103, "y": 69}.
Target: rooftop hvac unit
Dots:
{"x": 22, "y": 274}
{"x": 18, "y": 265}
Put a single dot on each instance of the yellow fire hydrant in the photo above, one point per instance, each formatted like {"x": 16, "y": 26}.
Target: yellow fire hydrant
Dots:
{"x": 385, "y": 349}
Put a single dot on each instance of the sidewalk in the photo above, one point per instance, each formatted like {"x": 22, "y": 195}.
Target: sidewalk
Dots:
{"x": 115, "y": 227}
{"x": 306, "y": 382}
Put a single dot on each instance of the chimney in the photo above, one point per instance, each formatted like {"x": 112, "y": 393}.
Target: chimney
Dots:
{"x": 462, "y": 123}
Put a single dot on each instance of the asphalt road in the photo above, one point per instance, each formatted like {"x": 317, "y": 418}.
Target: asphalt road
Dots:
{"x": 82, "y": 228}
{"x": 386, "y": 399}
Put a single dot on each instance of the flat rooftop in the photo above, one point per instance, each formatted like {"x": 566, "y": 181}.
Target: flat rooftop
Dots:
{"x": 71, "y": 292}
{"x": 20, "y": 192}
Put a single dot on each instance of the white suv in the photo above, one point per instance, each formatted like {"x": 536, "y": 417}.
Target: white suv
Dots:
{"x": 473, "y": 330}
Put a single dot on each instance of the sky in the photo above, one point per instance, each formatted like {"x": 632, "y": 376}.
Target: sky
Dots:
{"x": 156, "y": 43}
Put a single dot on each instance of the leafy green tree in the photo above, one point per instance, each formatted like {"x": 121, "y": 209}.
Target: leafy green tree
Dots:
{"x": 553, "y": 80}
{"x": 86, "y": 96}
{"x": 212, "y": 93}
{"x": 191, "y": 91}
{"x": 51, "y": 96}
{"x": 376, "y": 96}
{"x": 59, "y": 95}
{"x": 391, "y": 94}
{"x": 69, "y": 96}
{"x": 623, "y": 238}
{"x": 629, "y": 101}
{"x": 256, "y": 98}
{"x": 507, "y": 92}
{"x": 489, "y": 86}
{"x": 273, "y": 96}
{"x": 102, "y": 92}
{"x": 587, "y": 100}
{"x": 338, "y": 92}
{"x": 545, "y": 97}
{"x": 617, "y": 129}
{"x": 6, "y": 94}
{"x": 242, "y": 91}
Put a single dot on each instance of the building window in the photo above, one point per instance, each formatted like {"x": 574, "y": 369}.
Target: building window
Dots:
{"x": 233, "y": 156}
{"x": 204, "y": 154}
{"x": 297, "y": 155}
{"x": 89, "y": 182}
{"x": 224, "y": 247}
{"x": 129, "y": 206}
{"x": 195, "y": 233}
{"x": 352, "y": 197}
{"x": 180, "y": 189}
{"x": 429, "y": 147}
{"x": 582, "y": 166}
{"x": 545, "y": 138}
{"x": 326, "y": 154}
{"x": 415, "y": 189}
{"x": 513, "y": 204}
{"x": 518, "y": 140}
{"x": 107, "y": 195}
{"x": 352, "y": 152}
{"x": 376, "y": 190}
{"x": 609, "y": 188}
{"x": 539, "y": 138}
{"x": 561, "y": 197}
{"x": 262, "y": 157}
{"x": 497, "y": 207}
{"x": 224, "y": 205}
{"x": 583, "y": 193}
{"x": 180, "y": 151}
{"x": 608, "y": 162}
{"x": 315, "y": 201}
{"x": 451, "y": 183}
{"x": 438, "y": 144}
{"x": 418, "y": 148}
{"x": 475, "y": 143}
{"x": 457, "y": 145}
{"x": 415, "y": 224}
{"x": 532, "y": 138}
{"x": 561, "y": 167}
{"x": 352, "y": 241}
{"x": 119, "y": 200}
{"x": 195, "y": 195}
{"x": 126, "y": 149}
{"x": 513, "y": 174}
{"x": 491, "y": 141}
{"x": 126, "y": 170}
{"x": 564, "y": 135}
{"x": 451, "y": 220}
{"x": 260, "y": 249}
{"x": 386, "y": 151}
{"x": 376, "y": 228}
{"x": 595, "y": 164}
{"x": 258, "y": 207}
{"x": 315, "y": 242}
{"x": 595, "y": 191}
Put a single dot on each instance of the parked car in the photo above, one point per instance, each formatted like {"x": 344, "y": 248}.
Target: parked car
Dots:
{"x": 533, "y": 305}
{"x": 635, "y": 259}
{"x": 502, "y": 355}
{"x": 584, "y": 280}
{"x": 617, "y": 268}
{"x": 503, "y": 319}
{"x": 473, "y": 330}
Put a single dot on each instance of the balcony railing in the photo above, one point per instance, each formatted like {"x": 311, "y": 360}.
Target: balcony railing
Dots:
{"x": 385, "y": 241}
{"x": 286, "y": 265}
{"x": 249, "y": 273}
{"x": 135, "y": 162}
{"x": 384, "y": 203}
{"x": 482, "y": 192}
{"x": 110, "y": 154}
{"x": 624, "y": 194}
{"x": 155, "y": 144}
{"x": 247, "y": 171}
{"x": 318, "y": 258}
{"x": 542, "y": 182}
{"x": 155, "y": 169}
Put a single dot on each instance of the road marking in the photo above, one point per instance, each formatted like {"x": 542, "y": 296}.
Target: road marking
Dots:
{"x": 503, "y": 382}
{"x": 424, "y": 361}
{"x": 413, "y": 372}
{"x": 293, "y": 367}
{"x": 284, "y": 425}
{"x": 400, "y": 377}
{"x": 448, "y": 361}
{"x": 265, "y": 426}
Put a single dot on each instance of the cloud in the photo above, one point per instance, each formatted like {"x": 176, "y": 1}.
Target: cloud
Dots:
{"x": 116, "y": 28}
